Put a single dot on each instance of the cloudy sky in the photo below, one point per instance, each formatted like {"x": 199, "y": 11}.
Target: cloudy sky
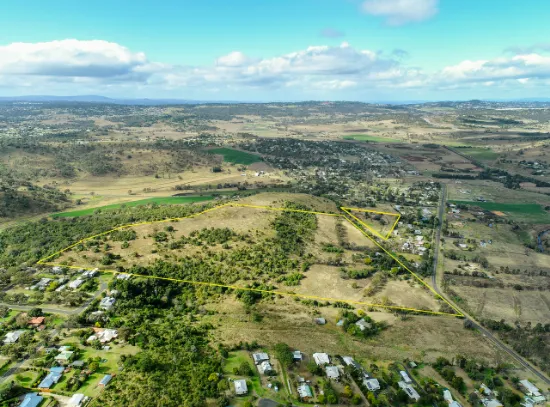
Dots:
{"x": 262, "y": 50}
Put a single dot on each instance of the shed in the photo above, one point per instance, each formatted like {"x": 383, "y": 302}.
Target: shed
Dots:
{"x": 31, "y": 400}
{"x": 240, "y": 387}
{"x": 105, "y": 381}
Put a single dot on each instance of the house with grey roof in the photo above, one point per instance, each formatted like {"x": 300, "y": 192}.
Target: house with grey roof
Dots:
{"x": 240, "y": 387}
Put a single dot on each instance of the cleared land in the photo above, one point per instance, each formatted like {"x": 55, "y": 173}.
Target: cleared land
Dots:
{"x": 241, "y": 246}
{"x": 168, "y": 200}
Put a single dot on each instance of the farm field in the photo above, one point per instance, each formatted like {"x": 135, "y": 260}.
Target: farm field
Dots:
{"x": 478, "y": 153}
{"x": 530, "y": 212}
{"x": 236, "y": 156}
{"x": 370, "y": 138}
{"x": 169, "y": 200}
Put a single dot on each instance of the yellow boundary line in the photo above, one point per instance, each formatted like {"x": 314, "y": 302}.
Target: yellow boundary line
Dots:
{"x": 44, "y": 261}
{"x": 372, "y": 230}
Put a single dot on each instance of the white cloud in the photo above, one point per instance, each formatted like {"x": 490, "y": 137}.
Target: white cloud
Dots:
{"x": 399, "y": 12}
{"x": 76, "y": 67}
{"x": 71, "y": 58}
{"x": 233, "y": 59}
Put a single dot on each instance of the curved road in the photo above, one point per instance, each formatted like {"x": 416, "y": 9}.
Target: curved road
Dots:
{"x": 486, "y": 333}
{"x": 64, "y": 311}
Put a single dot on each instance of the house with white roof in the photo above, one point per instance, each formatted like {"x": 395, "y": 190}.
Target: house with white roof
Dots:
{"x": 411, "y": 392}
{"x": 332, "y": 372}
{"x": 321, "y": 359}
{"x": 405, "y": 376}
{"x": 371, "y": 384}
{"x": 12, "y": 337}
{"x": 240, "y": 387}
{"x": 260, "y": 357}
{"x": 107, "y": 303}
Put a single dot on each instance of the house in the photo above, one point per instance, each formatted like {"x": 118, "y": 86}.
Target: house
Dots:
{"x": 411, "y": 392}
{"x": 260, "y": 357}
{"x": 107, "y": 303}
{"x": 348, "y": 360}
{"x": 12, "y": 337}
{"x": 297, "y": 356}
{"x": 332, "y": 372}
{"x": 362, "y": 324}
{"x": 265, "y": 367}
{"x": 76, "y": 400}
{"x": 371, "y": 384}
{"x": 304, "y": 391}
{"x": 123, "y": 276}
{"x": 405, "y": 376}
{"x": 42, "y": 284}
{"x": 77, "y": 363}
{"x": 105, "y": 381}
{"x": 31, "y": 400}
{"x": 57, "y": 270}
{"x": 75, "y": 284}
{"x": 51, "y": 378}
{"x": 103, "y": 335}
{"x": 485, "y": 390}
{"x": 89, "y": 273}
{"x": 64, "y": 357}
{"x": 530, "y": 388}
{"x": 240, "y": 387}
{"x": 321, "y": 359}
{"x": 36, "y": 322}
{"x": 492, "y": 403}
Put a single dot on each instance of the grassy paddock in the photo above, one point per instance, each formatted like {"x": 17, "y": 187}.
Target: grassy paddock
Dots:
{"x": 533, "y": 212}
{"x": 374, "y": 139}
{"x": 479, "y": 153}
{"x": 167, "y": 200}
{"x": 236, "y": 156}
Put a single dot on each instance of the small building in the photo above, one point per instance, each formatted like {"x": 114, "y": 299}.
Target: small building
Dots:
{"x": 321, "y": 359}
{"x": 36, "y": 321}
{"x": 297, "y": 356}
{"x": 123, "y": 276}
{"x": 371, "y": 384}
{"x": 90, "y": 273}
{"x": 51, "y": 378}
{"x": 76, "y": 400}
{"x": 107, "y": 303}
{"x": 492, "y": 403}
{"x": 530, "y": 388}
{"x": 320, "y": 321}
{"x": 411, "y": 392}
{"x": 362, "y": 324}
{"x": 77, "y": 364}
{"x": 348, "y": 360}
{"x": 332, "y": 372}
{"x": 265, "y": 367}
{"x": 75, "y": 283}
{"x": 105, "y": 381}
{"x": 64, "y": 357}
{"x": 13, "y": 337}
{"x": 304, "y": 391}
{"x": 240, "y": 387}
{"x": 485, "y": 390}
{"x": 260, "y": 357}
{"x": 103, "y": 335}
{"x": 405, "y": 376}
{"x": 31, "y": 400}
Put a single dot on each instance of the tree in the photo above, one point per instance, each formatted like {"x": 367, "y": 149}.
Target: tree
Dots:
{"x": 35, "y": 312}
{"x": 284, "y": 354}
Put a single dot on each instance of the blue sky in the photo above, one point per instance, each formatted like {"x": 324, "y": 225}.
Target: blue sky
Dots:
{"x": 277, "y": 50}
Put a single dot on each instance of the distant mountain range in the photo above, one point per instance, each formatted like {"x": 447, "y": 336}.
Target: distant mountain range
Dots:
{"x": 157, "y": 102}
{"x": 104, "y": 99}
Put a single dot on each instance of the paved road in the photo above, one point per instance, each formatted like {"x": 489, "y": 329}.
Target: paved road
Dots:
{"x": 11, "y": 370}
{"x": 486, "y": 333}
{"x": 64, "y": 311}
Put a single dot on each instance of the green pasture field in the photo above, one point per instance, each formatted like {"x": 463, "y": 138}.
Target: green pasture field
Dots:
{"x": 236, "y": 156}
{"x": 479, "y": 153}
{"x": 162, "y": 200}
{"x": 529, "y": 212}
{"x": 374, "y": 139}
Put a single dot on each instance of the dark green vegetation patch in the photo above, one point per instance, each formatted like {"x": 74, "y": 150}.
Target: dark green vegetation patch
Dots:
{"x": 236, "y": 156}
